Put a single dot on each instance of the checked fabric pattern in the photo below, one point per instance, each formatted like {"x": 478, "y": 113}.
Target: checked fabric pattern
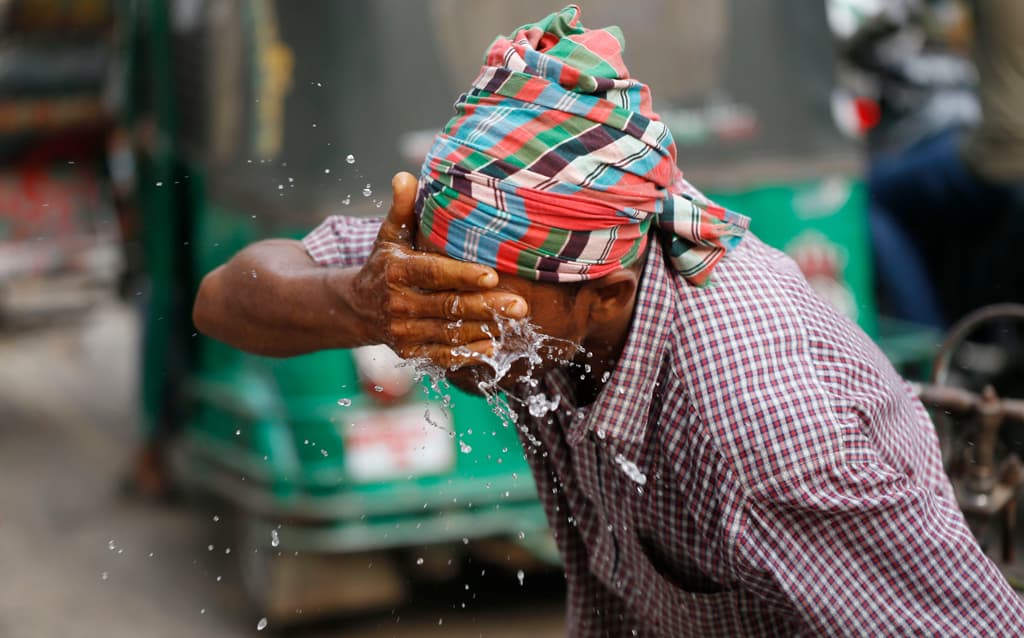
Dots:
{"x": 556, "y": 168}
{"x": 793, "y": 484}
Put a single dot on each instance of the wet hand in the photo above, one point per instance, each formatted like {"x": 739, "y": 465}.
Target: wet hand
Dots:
{"x": 425, "y": 304}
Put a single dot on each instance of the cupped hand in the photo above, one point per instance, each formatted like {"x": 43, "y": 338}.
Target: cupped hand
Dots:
{"x": 425, "y": 304}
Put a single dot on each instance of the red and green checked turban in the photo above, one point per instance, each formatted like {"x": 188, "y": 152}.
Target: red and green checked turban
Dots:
{"x": 555, "y": 167}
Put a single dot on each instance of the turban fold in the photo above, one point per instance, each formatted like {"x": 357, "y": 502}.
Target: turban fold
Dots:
{"x": 556, "y": 168}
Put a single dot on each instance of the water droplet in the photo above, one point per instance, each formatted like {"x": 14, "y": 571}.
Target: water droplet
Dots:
{"x": 280, "y": 187}
{"x": 539, "y": 405}
{"x": 419, "y": 561}
{"x": 238, "y": 432}
{"x": 631, "y": 469}
{"x": 327, "y": 171}
{"x": 464, "y": 447}
{"x": 344, "y": 402}
{"x": 351, "y": 159}
{"x": 209, "y": 548}
{"x": 261, "y": 625}
{"x": 347, "y": 200}
{"x": 110, "y": 545}
{"x": 367, "y": 191}
{"x": 159, "y": 183}
{"x": 203, "y": 610}
{"x": 216, "y": 519}
{"x": 104, "y": 575}
{"x": 520, "y": 576}
{"x": 323, "y": 452}
{"x": 378, "y": 388}
{"x": 274, "y": 539}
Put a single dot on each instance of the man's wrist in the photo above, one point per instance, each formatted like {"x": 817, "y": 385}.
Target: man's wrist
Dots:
{"x": 350, "y": 309}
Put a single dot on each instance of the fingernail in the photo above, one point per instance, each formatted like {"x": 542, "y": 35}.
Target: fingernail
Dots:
{"x": 517, "y": 308}
{"x": 487, "y": 279}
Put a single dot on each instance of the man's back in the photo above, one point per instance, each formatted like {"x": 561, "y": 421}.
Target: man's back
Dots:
{"x": 755, "y": 466}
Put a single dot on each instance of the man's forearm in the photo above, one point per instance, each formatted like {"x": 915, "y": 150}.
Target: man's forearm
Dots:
{"x": 273, "y": 299}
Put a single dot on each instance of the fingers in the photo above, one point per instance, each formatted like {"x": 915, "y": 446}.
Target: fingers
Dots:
{"x": 472, "y": 306}
{"x": 399, "y": 225}
{"x": 454, "y": 333}
{"x": 438, "y": 272}
{"x": 447, "y": 356}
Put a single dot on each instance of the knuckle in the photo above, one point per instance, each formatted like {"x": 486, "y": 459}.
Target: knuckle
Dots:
{"x": 395, "y": 304}
{"x": 451, "y": 305}
{"x": 398, "y": 329}
{"x": 452, "y": 334}
{"x": 389, "y": 271}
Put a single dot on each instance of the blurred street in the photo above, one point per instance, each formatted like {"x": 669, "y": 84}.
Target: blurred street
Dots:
{"x": 83, "y": 559}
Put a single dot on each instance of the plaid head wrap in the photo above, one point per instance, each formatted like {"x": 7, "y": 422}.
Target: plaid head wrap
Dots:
{"x": 555, "y": 166}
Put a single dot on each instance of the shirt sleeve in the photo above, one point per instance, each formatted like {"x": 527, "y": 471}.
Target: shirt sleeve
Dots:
{"x": 869, "y": 552}
{"x": 342, "y": 241}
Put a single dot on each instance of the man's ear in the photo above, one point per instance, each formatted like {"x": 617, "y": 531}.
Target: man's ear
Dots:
{"x": 611, "y": 295}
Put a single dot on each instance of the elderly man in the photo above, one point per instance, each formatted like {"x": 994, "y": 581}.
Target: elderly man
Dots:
{"x": 723, "y": 455}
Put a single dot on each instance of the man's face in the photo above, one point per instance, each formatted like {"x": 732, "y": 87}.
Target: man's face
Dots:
{"x": 553, "y": 311}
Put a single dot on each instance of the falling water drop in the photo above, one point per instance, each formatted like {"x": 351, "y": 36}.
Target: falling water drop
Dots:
{"x": 344, "y": 402}
{"x": 351, "y": 159}
{"x": 261, "y": 625}
{"x": 520, "y": 576}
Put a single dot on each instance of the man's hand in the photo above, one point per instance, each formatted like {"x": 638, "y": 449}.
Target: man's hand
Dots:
{"x": 424, "y": 304}
{"x": 273, "y": 299}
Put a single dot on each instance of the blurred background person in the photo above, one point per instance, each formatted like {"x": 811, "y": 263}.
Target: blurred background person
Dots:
{"x": 944, "y": 164}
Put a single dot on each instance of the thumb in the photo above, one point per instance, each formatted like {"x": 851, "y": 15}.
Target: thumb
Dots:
{"x": 400, "y": 223}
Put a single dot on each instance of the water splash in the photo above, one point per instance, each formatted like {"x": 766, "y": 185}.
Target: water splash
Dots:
{"x": 631, "y": 469}
{"x": 539, "y": 405}
{"x": 517, "y": 340}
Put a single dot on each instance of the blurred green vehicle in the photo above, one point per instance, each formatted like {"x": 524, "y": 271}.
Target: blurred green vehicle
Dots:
{"x": 258, "y": 118}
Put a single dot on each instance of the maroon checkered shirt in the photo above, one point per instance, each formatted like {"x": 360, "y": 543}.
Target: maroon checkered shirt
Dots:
{"x": 753, "y": 467}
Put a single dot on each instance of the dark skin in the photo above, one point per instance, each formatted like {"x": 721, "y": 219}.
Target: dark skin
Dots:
{"x": 410, "y": 300}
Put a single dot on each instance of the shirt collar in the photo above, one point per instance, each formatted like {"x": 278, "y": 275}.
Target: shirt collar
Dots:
{"x": 620, "y": 410}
